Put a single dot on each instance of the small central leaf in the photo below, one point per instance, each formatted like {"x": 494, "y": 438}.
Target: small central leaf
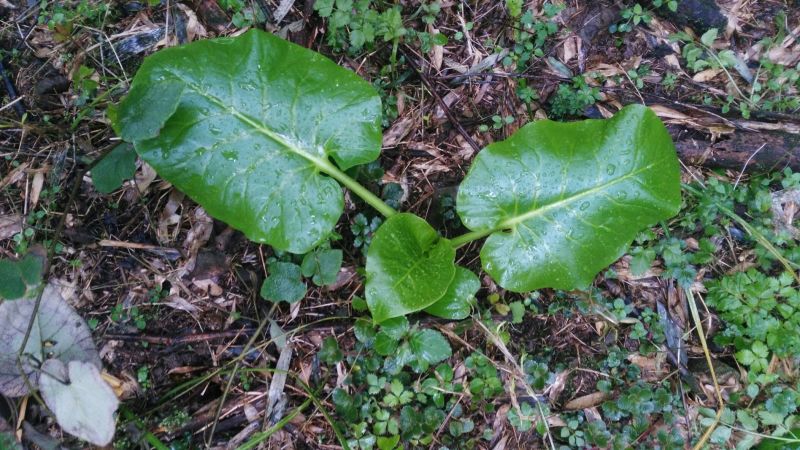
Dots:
{"x": 409, "y": 267}
{"x": 247, "y": 127}
{"x": 561, "y": 201}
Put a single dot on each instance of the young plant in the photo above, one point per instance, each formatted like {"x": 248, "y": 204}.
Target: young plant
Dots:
{"x": 260, "y": 132}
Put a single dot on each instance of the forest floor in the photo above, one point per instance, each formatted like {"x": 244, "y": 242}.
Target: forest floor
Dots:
{"x": 172, "y": 296}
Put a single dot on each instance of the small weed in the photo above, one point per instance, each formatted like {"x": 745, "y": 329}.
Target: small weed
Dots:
{"x": 244, "y": 15}
{"x": 120, "y": 314}
{"x": 62, "y": 17}
{"x": 670, "y": 81}
{"x": 530, "y": 35}
{"x": 393, "y": 391}
{"x": 773, "y": 88}
{"x": 636, "y": 76}
{"x": 175, "y": 421}
{"x": 572, "y": 99}
{"x": 760, "y": 313}
{"x": 498, "y": 122}
{"x": 363, "y": 229}
{"x": 143, "y": 377}
{"x": 631, "y": 17}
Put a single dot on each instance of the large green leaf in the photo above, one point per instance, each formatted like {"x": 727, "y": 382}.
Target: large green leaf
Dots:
{"x": 561, "y": 201}
{"x": 248, "y": 126}
{"x": 409, "y": 267}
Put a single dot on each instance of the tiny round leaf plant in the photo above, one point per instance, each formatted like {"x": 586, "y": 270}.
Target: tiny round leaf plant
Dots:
{"x": 257, "y": 130}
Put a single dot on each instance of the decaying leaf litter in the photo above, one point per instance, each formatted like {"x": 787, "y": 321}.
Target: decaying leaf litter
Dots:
{"x": 172, "y": 294}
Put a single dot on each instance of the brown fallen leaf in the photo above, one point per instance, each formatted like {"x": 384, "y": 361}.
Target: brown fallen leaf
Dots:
{"x": 169, "y": 217}
{"x": 652, "y": 368}
{"x": 706, "y": 75}
{"x": 560, "y": 382}
{"x": 10, "y": 225}
{"x": 36, "y": 188}
{"x": 586, "y": 401}
{"x": 14, "y": 176}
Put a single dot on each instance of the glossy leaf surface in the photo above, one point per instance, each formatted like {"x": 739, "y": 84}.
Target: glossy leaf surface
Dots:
{"x": 409, "y": 267}
{"x": 253, "y": 129}
{"x": 457, "y": 301}
{"x": 561, "y": 201}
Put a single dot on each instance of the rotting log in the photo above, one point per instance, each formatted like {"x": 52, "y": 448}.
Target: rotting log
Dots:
{"x": 758, "y": 151}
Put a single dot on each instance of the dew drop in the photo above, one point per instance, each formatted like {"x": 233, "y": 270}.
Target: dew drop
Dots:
{"x": 622, "y": 195}
{"x": 610, "y": 169}
{"x": 584, "y": 206}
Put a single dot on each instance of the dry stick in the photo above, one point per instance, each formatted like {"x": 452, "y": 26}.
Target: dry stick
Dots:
{"x": 517, "y": 374}
{"x": 180, "y": 340}
{"x": 441, "y": 102}
{"x": 700, "y": 333}
{"x": 738, "y": 178}
{"x": 245, "y": 349}
{"x": 12, "y": 92}
{"x": 11, "y": 103}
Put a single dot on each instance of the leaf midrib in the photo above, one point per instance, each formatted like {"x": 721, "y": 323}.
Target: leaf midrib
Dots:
{"x": 512, "y": 222}
{"x": 261, "y": 128}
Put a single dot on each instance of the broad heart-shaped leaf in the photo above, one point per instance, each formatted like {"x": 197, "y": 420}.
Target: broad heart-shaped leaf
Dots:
{"x": 247, "y": 127}
{"x": 409, "y": 267}
{"x": 83, "y": 403}
{"x": 561, "y": 201}
{"x": 457, "y": 301}
{"x": 58, "y": 332}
